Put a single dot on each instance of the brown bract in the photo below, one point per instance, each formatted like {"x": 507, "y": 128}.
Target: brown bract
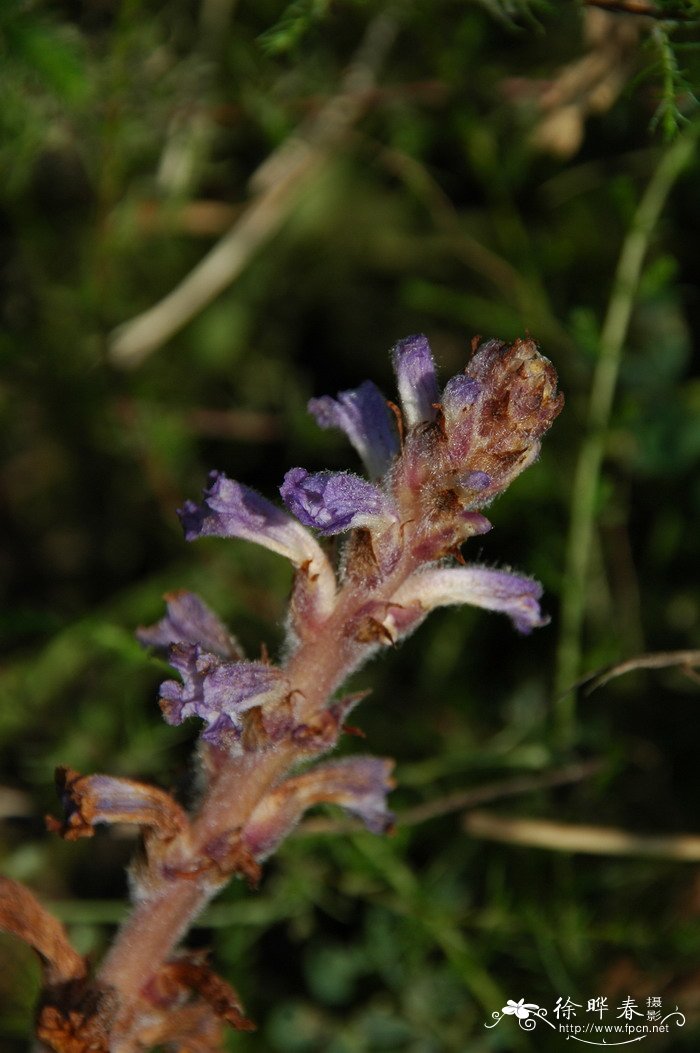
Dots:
{"x": 76, "y": 1018}
{"x": 72, "y": 1017}
{"x": 521, "y": 404}
{"x": 22, "y": 915}
{"x": 191, "y": 973}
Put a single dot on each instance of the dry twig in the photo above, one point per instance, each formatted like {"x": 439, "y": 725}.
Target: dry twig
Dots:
{"x": 592, "y": 840}
{"x": 685, "y": 660}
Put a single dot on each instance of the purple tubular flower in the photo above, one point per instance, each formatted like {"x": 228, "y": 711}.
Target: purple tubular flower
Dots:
{"x": 335, "y": 501}
{"x": 494, "y": 590}
{"x": 189, "y": 621}
{"x": 358, "y": 784}
{"x": 233, "y": 510}
{"x": 217, "y": 692}
{"x": 362, "y": 413}
{"x": 417, "y": 381}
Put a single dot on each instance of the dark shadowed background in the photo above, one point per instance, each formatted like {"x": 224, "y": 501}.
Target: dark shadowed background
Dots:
{"x": 367, "y": 171}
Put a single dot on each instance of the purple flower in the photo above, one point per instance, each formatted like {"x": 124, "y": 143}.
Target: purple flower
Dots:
{"x": 217, "y": 692}
{"x": 189, "y": 621}
{"x": 358, "y": 784}
{"x": 362, "y": 413}
{"x": 335, "y": 501}
{"x": 233, "y": 510}
{"x": 494, "y": 590}
{"x": 417, "y": 381}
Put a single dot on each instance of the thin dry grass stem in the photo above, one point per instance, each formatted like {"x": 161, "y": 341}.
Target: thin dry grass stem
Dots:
{"x": 276, "y": 185}
{"x": 684, "y": 660}
{"x": 457, "y": 802}
{"x": 590, "y": 840}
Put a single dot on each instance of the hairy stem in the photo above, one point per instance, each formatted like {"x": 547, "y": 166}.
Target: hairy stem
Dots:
{"x": 157, "y": 924}
{"x": 154, "y": 928}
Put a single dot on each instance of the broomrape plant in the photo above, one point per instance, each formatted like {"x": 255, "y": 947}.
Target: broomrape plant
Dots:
{"x": 433, "y": 463}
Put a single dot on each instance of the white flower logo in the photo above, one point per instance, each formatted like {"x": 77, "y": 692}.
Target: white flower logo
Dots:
{"x": 521, "y": 1009}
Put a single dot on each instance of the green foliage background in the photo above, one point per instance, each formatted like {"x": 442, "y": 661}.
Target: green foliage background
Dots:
{"x": 436, "y": 213}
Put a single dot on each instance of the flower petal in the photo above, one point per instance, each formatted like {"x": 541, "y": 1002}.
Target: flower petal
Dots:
{"x": 335, "y": 501}
{"x": 461, "y": 392}
{"x": 23, "y": 916}
{"x": 416, "y": 377}
{"x": 358, "y": 784}
{"x": 362, "y": 413}
{"x": 495, "y": 590}
{"x": 189, "y": 620}
{"x": 233, "y": 510}
{"x": 217, "y": 692}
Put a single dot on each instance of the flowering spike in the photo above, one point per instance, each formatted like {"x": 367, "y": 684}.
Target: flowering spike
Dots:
{"x": 218, "y": 692}
{"x": 494, "y": 590}
{"x": 333, "y": 502}
{"x": 358, "y": 784}
{"x": 362, "y": 413}
{"x": 233, "y": 510}
{"x": 189, "y": 621}
{"x": 416, "y": 377}
{"x": 450, "y": 457}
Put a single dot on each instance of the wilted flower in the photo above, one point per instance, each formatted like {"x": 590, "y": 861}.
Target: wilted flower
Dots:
{"x": 521, "y": 1008}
